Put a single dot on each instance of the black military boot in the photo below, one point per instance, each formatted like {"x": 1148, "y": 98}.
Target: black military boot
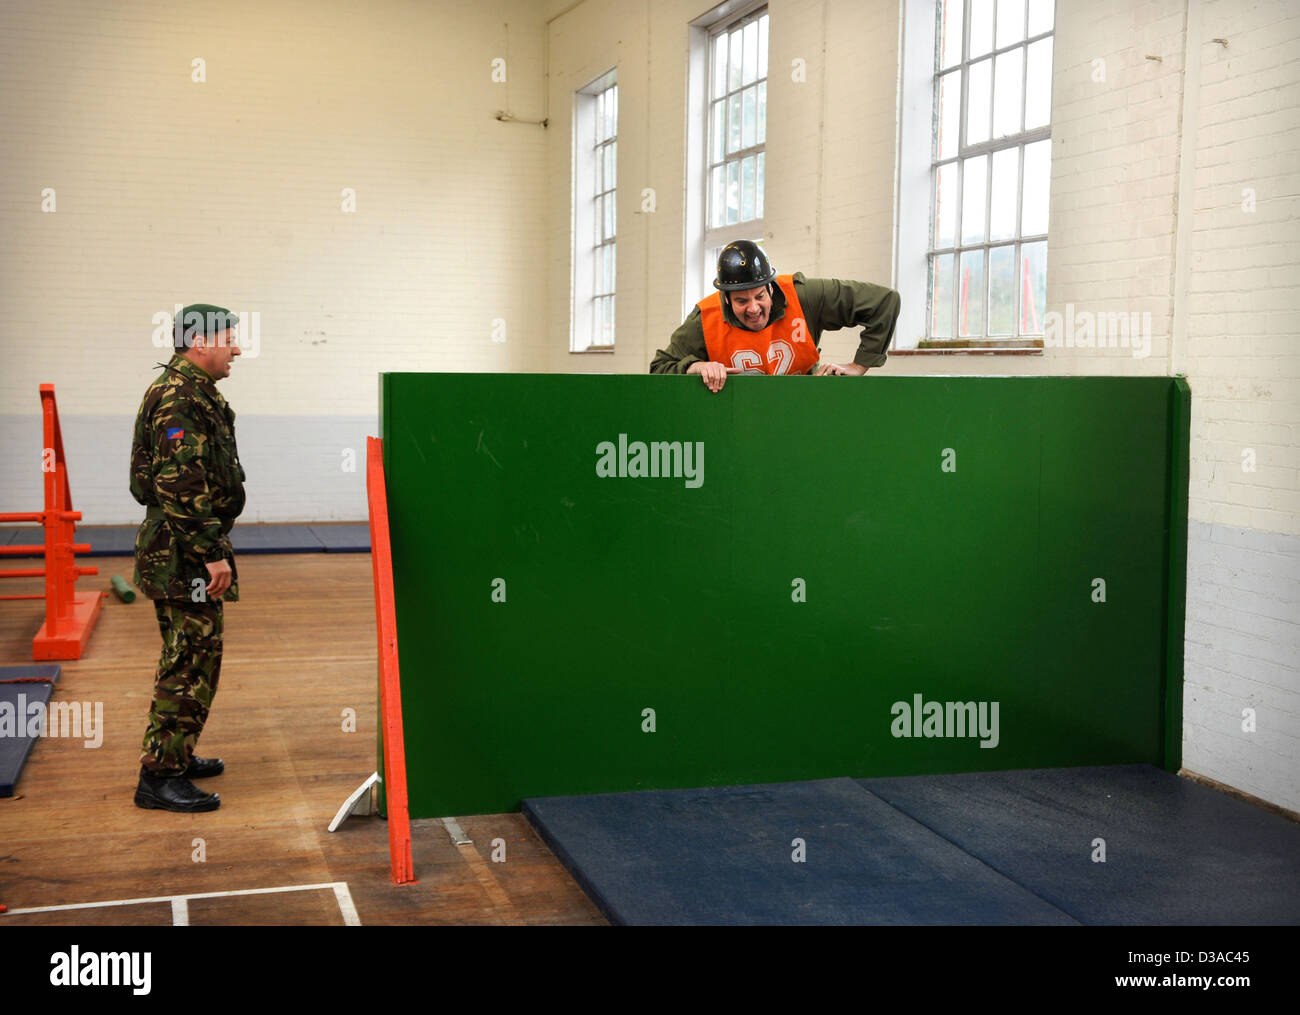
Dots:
{"x": 202, "y": 768}
{"x": 175, "y": 793}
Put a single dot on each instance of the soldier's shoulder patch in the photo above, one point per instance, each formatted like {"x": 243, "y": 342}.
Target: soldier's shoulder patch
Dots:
{"x": 175, "y": 433}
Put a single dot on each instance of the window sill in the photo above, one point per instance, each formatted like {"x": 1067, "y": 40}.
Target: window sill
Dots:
{"x": 966, "y": 352}
{"x": 592, "y": 351}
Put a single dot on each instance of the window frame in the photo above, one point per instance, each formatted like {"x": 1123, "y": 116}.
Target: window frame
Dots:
{"x": 929, "y": 250}
{"x": 702, "y": 240}
{"x": 587, "y": 297}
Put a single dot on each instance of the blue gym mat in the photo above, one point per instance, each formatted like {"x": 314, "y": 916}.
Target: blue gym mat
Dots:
{"x": 350, "y": 538}
{"x": 20, "y": 686}
{"x": 724, "y": 855}
{"x": 988, "y": 848}
{"x": 1177, "y": 852}
{"x": 104, "y": 540}
{"x": 107, "y": 540}
{"x": 119, "y": 540}
{"x": 274, "y": 539}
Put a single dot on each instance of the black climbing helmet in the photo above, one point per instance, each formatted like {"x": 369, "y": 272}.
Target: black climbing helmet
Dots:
{"x": 743, "y": 265}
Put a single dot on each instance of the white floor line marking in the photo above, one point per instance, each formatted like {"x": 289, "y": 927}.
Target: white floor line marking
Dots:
{"x": 180, "y": 913}
{"x": 171, "y": 898}
{"x": 349, "y": 911}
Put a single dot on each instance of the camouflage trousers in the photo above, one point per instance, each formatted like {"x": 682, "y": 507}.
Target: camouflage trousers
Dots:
{"x": 185, "y": 683}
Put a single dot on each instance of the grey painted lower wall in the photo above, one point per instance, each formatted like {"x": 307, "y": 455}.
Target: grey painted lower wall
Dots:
{"x": 300, "y": 468}
{"x": 1243, "y": 652}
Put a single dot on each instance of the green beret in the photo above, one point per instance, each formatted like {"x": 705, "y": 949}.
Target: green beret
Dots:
{"x": 202, "y": 319}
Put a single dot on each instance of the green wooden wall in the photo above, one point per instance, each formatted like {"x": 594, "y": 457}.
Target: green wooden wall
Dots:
{"x": 974, "y": 583}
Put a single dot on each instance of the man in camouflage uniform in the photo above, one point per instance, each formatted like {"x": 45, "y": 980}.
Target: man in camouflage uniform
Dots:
{"x": 185, "y": 470}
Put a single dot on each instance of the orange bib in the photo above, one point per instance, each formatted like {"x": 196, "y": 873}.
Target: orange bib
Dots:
{"x": 783, "y": 347}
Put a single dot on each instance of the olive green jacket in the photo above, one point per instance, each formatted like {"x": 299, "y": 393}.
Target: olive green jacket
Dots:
{"x": 828, "y": 304}
{"x": 185, "y": 470}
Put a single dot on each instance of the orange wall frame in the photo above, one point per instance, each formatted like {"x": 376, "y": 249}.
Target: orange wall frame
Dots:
{"x": 390, "y": 687}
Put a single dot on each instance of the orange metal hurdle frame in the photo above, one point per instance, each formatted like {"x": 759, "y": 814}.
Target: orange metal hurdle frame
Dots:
{"x": 69, "y": 615}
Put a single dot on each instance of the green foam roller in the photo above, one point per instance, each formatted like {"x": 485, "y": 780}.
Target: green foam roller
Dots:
{"x": 123, "y": 590}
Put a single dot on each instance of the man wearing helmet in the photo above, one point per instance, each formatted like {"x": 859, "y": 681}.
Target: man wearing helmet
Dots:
{"x": 762, "y": 322}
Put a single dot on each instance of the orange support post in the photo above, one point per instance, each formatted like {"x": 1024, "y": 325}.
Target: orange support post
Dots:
{"x": 69, "y": 615}
{"x": 390, "y": 686}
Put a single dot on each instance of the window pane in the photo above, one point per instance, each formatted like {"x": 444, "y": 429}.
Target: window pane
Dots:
{"x": 974, "y": 183}
{"x": 747, "y": 137}
{"x": 762, "y": 46}
{"x": 1002, "y": 211}
{"x": 751, "y": 53}
{"x": 718, "y": 198}
{"x": 611, "y": 113}
{"x": 945, "y": 206}
{"x": 611, "y": 167}
{"x": 733, "y": 193}
{"x": 950, "y": 33}
{"x": 758, "y": 188}
{"x": 733, "y": 124}
{"x": 1033, "y": 262}
{"x": 981, "y": 27}
{"x": 720, "y": 66}
{"x": 747, "y": 189}
{"x": 949, "y": 114}
{"x": 762, "y": 112}
{"x": 609, "y": 216}
{"x": 1040, "y": 15}
{"x": 1006, "y": 93}
{"x": 941, "y": 299}
{"x": 609, "y": 320}
{"x": 1002, "y": 291}
{"x": 737, "y": 59}
{"x": 1038, "y": 179}
{"x": 719, "y": 117}
{"x": 1011, "y": 22}
{"x": 597, "y": 218}
{"x": 970, "y": 305}
{"x": 1038, "y": 85}
{"x": 613, "y": 270}
{"x": 977, "y": 105}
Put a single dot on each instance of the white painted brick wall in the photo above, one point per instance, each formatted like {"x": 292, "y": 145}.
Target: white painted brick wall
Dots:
{"x": 1243, "y": 362}
{"x": 229, "y": 191}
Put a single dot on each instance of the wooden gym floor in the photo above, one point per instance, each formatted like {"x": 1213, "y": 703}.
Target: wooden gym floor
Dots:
{"x": 300, "y": 648}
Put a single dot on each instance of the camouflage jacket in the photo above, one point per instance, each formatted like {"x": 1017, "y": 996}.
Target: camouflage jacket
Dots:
{"x": 185, "y": 469}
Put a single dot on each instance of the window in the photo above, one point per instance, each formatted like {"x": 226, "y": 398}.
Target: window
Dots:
{"x": 990, "y": 170}
{"x": 595, "y": 219}
{"x": 727, "y": 153}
